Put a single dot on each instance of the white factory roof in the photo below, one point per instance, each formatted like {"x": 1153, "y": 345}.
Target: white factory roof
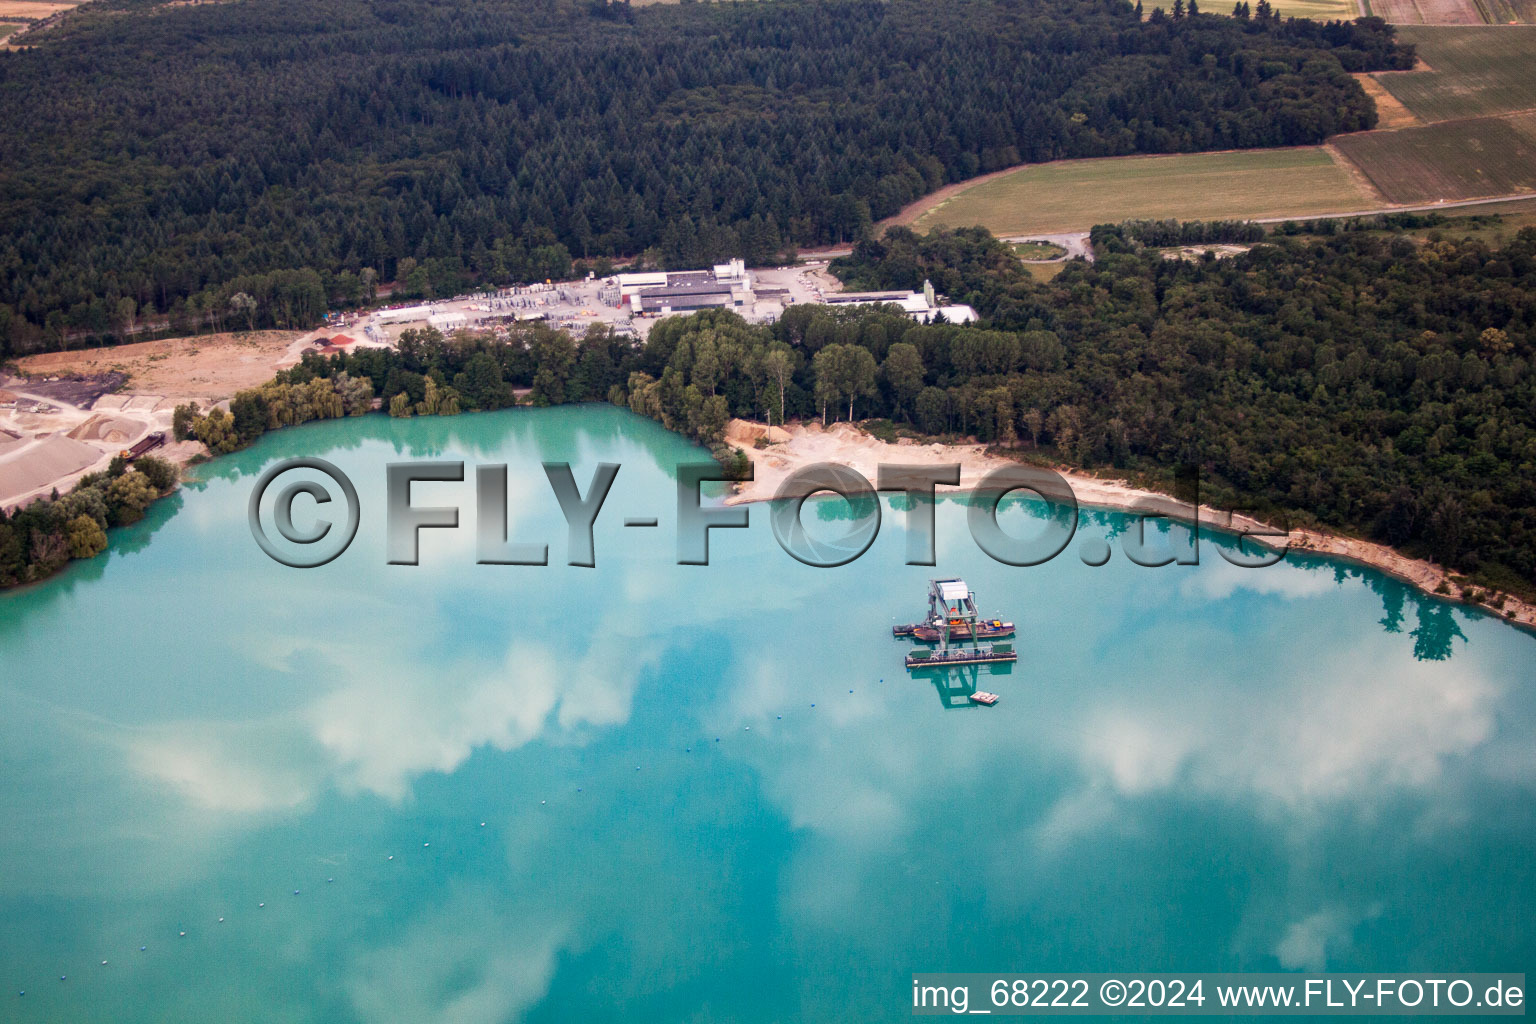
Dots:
{"x": 958, "y": 314}
{"x": 914, "y": 304}
{"x": 405, "y": 313}
{"x": 639, "y": 280}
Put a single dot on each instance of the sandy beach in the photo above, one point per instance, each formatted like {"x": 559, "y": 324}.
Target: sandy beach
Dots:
{"x": 786, "y": 449}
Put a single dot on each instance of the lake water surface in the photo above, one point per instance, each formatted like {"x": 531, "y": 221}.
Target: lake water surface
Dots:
{"x": 645, "y": 791}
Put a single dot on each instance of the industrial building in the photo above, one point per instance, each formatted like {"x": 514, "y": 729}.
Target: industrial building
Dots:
{"x": 403, "y": 314}
{"x": 727, "y": 285}
{"x": 443, "y": 318}
{"x": 449, "y": 320}
{"x": 920, "y": 306}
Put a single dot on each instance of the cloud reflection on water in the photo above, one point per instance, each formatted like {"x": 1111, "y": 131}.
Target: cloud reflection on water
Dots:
{"x": 1252, "y": 702}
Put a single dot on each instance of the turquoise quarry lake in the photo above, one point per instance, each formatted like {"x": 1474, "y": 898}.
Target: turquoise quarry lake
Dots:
{"x": 646, "y": 791}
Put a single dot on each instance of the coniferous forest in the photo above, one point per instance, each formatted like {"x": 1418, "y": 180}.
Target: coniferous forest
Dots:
{"x": 160, "y": 160}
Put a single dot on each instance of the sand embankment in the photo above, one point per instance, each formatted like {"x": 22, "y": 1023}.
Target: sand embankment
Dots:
{"x": 111, "y": 429}
{"x": 790, "y": 448}
{"x": 26, "y": 468}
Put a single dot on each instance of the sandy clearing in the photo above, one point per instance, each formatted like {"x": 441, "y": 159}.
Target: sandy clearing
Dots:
{"x": 209, "y": 367}
{"x": 847, "y": 445}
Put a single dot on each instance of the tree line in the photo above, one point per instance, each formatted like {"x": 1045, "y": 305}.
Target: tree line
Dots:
{"x": 39, "y": 539}
{"x": 216, "y": 165}
{"x": 1172, "y": 232}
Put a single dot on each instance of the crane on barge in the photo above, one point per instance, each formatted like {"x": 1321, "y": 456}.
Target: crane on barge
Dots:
{"x": 958, "y": 628}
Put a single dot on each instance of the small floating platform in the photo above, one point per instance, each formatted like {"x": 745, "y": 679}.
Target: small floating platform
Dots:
{"x": 979, "y": 655}
{"x": 984, "y": 697}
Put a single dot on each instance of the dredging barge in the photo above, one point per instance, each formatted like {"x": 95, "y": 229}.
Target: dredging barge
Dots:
{"x": 959, "y": 629}
{"x": 955, "y": 625}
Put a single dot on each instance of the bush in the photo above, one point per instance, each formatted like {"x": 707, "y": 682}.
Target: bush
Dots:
{"x": 160, "y": 473}
{"x": 182, "y": 420}
{"x": 217, "y": 431}
{"x": 128, "y": 496}
{"x": 86, "y": 537}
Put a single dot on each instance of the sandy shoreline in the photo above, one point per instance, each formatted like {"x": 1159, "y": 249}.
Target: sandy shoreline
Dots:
{"x": 798, "y": 445}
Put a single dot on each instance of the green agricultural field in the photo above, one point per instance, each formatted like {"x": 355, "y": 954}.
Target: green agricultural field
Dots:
{"x": 1487, "y": 156}
{"x": 6, "y": 28}
{"x": 1476, "y": 71}
{"x": 1074, "y": 195}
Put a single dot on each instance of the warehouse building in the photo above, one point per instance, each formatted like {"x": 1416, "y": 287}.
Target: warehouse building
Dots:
{"x": 448, "y": 321}
{"x": 403, "y": 314}
{"x": 727, "y": 286}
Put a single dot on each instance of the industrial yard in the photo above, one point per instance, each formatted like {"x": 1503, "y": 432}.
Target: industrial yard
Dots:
{"x": 71, "y": 412}
{"x": 631, "y": 302}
